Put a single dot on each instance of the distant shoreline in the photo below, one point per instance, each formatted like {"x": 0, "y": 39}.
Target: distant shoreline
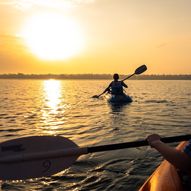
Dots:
{"x": 92, "y": 76}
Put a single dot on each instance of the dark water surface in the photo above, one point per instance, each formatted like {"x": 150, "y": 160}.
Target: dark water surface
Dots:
{"x": 65, "y": 108}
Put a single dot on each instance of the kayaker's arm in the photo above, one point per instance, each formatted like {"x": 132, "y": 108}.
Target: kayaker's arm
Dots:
{"x": 124, "y": 85}
{"x": 176, "y": 157}
{"x": 106, "y": 90}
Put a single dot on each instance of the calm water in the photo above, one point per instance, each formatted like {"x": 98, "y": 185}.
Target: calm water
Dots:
{"x": 65, "y": 108}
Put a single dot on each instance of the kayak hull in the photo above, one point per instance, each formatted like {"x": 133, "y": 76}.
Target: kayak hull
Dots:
{"x": 165, "y": 177}
{"x": 120, "y": 99}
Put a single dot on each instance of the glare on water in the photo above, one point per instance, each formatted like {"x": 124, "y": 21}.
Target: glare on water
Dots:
{"x": 52, "y": 89}
{"x": 66, "y": 108}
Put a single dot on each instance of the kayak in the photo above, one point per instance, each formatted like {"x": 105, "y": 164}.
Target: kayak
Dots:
{"x": 119, "y": 99}
{"x": 165, "y": 177}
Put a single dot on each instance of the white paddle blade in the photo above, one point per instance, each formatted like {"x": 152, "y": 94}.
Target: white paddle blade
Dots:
{"x": 34, "y": 167}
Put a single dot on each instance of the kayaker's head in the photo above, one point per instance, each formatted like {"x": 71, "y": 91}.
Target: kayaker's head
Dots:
{"x": 116, "y": 76}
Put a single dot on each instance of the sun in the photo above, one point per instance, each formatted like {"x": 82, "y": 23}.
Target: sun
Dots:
{"x": 53, "y": 36}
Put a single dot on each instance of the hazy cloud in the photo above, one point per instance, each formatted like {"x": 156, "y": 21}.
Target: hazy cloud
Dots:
{"x": 9, "y": 40}
{"x": 57, "y": 4}
{"x": 162, "y": 45}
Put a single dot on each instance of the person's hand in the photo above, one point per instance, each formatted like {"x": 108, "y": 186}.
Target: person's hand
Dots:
{"x": 153, "y": 139}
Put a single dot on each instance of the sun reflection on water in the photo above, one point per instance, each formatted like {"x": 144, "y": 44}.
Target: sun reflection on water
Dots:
{"x": 52, "y": 108}
{"x": 52, "y": 90}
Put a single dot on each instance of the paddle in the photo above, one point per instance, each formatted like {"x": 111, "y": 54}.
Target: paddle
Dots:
{"x": 97, "y": 96}
{"x": 138, "y": 71}
{"x": 40, "y": 156}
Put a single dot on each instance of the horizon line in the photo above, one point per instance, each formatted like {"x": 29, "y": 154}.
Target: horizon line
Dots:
{"x": 20, "y": 73}
{"x": 94, "y": 76}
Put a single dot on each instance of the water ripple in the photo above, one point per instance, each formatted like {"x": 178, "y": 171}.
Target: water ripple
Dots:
{"x": 38, "y": 107}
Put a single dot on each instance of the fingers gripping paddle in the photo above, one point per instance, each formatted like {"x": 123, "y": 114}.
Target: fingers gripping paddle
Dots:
{"x": 40, "y": 156}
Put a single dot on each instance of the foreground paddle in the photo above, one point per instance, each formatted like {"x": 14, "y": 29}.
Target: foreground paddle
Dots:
{"x": 138, "y": 71}
{"x": 40, "y": 156}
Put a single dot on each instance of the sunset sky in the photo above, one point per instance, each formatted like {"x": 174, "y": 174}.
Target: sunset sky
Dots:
{"x": 95, "y": 36}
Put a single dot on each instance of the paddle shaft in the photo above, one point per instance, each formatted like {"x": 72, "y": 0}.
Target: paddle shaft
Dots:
{"x": 139, "y": 70}
{"x": 128, "y": 77}
{"x": 135, "y": 144}
{"x": 77, "y": 151}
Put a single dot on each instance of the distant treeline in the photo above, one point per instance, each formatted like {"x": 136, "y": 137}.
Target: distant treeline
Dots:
{"x": 92, "y": 76}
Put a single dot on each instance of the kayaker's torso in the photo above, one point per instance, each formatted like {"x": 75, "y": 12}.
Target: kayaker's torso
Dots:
{"x": 116, "y": 87}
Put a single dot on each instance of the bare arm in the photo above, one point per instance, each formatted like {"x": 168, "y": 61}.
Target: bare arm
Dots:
{"x": 176, "y": 157}
{"x": 124, "y": 85}
{"x": 107, "y": 89}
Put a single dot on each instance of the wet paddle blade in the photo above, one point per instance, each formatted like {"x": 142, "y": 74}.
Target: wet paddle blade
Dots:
{"x": 141, "y": 69}
{"x": 95, "y": 96}
{"x": 23, "y": 168}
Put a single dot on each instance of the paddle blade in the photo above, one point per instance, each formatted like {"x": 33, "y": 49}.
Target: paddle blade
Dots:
{"x": 95, "y": 96}
{"x": 35, "y": 167}
{"x": 141, "y": 69}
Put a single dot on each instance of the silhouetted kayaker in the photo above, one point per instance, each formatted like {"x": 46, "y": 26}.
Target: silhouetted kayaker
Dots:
{"x": 115, "y": 87}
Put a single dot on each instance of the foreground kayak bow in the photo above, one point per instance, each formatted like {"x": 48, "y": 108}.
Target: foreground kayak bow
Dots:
{"x": 165, "y": 177}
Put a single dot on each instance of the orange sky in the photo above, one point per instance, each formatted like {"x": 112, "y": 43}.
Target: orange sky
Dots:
{"x": 95, "y": 36}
